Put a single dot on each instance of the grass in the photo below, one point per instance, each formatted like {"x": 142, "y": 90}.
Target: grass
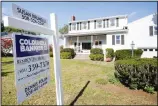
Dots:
{"x": 80, "y": 81}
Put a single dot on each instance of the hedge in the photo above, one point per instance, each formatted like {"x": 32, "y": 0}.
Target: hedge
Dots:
{"x": 96, "y": 51}
{"x": 65, "y": 55}
{"x": 11, "y": 29}
{"x": 137, "y": 73}
{"x": 109, "y": 53}
{"x": 96, "y": 57}
{"x": 69, "y": 50}
{"x": 127, "y": 54}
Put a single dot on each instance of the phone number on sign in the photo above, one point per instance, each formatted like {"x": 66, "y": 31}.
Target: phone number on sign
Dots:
{"x": 35, "y": 66}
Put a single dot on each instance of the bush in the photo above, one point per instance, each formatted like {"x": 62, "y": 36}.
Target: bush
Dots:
{"x": 149, "y": 89}
{"x": 96, "y": 57}
{"x": 109, "y": 53}
{"x": 127, "y": 54}
{"x": 51, "y": 54}
{"x": 101, "y": 81}
{"x": 69, "y": 50}
{"x": 65, "y": 55}
{"x": 6, "y": 54}
{"x": 137, "y": 73}
{"x": 96, "y": 51}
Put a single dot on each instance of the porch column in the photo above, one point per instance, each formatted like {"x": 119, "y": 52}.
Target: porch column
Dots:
{"x": 92, "y": 41}
{"x": 64, "y": 42}
{"x": 77, "y": 43}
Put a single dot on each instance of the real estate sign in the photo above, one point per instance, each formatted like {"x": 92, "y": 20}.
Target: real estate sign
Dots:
{"x": 31, "y": 61}
{"x": 24, "y": 14}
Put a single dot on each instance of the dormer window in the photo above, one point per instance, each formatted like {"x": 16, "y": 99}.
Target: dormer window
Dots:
{"x": 112, "y": 22}
{"x": 84, "y": 25}
{"x": 74, "y": 26}
{"x": 99, "y": 24}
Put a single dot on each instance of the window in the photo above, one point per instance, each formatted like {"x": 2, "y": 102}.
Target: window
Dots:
{"x": 145, "y": 49}
{"x": 150, "y": 49}
{"x": 94, "y": 24}
{"x": 88, "y": 24}
{"x": 152, "y": 30}
{"x": 100, "y": 42}
{"x": 155, "y": 30}
{"x": 117, "y": 39}
{"x": 99, "y": 24}
{"x": 84, "y": 25}
{"x": 78, "y": 26}
{"x": 75, "y": 44}
{"x": 73, "y": 26}
{"x": 112, "y": 22}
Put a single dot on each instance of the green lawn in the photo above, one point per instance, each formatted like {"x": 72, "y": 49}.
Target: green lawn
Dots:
{"x": 102, "y": 88}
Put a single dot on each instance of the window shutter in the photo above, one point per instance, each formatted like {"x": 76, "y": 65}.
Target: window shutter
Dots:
{"x": 88, "y": 24}
{"x": 117, "y": 22}
{"x": 151, "y": 30}
{"x": 113, "y": 39}
{"x": 80, "y": 25}
{"x": 70, "y": 27}
{"x": 94, "y": 24}
{"x": 77, "y": 26}
{"x": 122, "y": 39}
{"x": 105, "y": 39}
{"x": 104, "y": 23}
{"x": 107, "y": 23}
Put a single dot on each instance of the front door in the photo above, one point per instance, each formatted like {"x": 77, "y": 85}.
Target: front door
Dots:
{"x": 86, "y": 46}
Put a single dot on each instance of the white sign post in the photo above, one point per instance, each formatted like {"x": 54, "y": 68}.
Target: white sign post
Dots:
{"x": 31, "y": 62}
{"x": 31, "y": 22}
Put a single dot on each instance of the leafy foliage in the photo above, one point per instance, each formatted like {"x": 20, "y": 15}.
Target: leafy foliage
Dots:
{"x": 6, "y": 46}
{"x": 127, "y": 54}
{"x": 96, "y": 57}
{"x": 2, "y": 26}
{"x": 72, "y": 52}
{"x": 64, "y": 30}
{"x": 96, "y": 51}
{"x": 109, "y": 53}
{"x": 11, "y": 29}
{"x": 137, "y": 73}
{"x": 66, "y": 55}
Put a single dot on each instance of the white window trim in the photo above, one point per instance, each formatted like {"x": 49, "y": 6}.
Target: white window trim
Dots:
{"x": 110, "y": 22}
{"x": 101, "y": 24}
{"x": 82, "y": 26}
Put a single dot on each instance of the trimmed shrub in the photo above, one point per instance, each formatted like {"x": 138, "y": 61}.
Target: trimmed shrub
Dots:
{"x": 69, "y": 50}
{"x": 137, "y": 73}
{"x": 127, "y": 54}
{"x": 109, "y": 53}
{"x": 96, "y": 57}
{"x": 96, "y": 51}
{"x": 65, "y": 55}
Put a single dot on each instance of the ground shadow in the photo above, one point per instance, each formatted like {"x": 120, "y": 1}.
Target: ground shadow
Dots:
{"x": 79, "y": 94}
{"x": 6, "y": 73}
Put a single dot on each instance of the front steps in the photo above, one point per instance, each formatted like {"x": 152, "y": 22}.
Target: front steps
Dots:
{"x": 82, "y": 56}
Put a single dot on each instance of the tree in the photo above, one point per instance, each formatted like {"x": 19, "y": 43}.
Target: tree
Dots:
{"x": 2, "y": 27}
{"x": 64, "y": 30}
{"x": 6, "y": 45}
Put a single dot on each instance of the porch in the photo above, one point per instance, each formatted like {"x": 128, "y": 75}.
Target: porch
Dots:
{"x": 83, "y": 44}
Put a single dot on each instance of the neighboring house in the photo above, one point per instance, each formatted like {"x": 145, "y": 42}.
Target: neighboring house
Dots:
{"x": 113, "y": 32}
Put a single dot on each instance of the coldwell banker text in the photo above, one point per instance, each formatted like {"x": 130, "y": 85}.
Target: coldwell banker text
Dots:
{"x": 27, "y": 45}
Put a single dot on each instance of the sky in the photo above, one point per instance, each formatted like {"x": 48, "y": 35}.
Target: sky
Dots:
{"x": 85, "y": 10}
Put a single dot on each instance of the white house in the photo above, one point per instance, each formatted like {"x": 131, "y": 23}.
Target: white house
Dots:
{"x": 113, "y": 32}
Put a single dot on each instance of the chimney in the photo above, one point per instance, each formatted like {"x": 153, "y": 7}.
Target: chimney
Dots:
{"x": 73, "y": 18}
